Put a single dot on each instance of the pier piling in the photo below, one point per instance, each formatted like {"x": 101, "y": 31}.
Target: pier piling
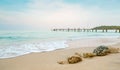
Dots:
{"x": 87, "y": 30}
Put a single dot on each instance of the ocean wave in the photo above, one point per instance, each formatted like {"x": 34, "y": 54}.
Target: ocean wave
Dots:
{"x": 13, "y": 51}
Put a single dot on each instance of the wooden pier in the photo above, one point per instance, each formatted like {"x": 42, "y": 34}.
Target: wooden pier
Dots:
{"x": 87, "y": 30}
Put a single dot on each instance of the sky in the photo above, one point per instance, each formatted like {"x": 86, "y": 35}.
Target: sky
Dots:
{"x": 48, "y": 14}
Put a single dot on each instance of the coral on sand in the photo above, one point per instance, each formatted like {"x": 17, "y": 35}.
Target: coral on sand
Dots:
{"x": 101, "y": 51}
{"x": 88, "y": 55}
{"x": 74, "y": 59}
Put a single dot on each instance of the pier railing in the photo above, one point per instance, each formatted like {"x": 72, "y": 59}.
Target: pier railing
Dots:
{"x": 87, "y": 30}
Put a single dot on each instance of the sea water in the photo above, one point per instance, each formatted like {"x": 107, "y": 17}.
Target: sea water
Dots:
{"x": 16, "y": 43}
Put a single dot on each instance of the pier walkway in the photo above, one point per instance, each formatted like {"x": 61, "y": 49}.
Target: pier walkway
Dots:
{"x": 87, "y": 30}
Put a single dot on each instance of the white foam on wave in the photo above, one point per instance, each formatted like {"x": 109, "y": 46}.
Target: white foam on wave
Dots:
{"x": 13, "y": 51}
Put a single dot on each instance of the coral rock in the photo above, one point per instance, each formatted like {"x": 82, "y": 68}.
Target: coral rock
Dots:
{"x": 101, "y": 51}
{"x": 74, "y": 59}
{"x": 88, "y": 55}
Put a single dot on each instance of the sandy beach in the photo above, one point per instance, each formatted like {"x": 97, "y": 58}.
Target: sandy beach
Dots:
{"x": 48, "y": 60}
{"x": 59, "y": 34}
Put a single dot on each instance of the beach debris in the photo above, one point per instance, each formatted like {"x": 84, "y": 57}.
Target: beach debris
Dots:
{"x": 114, "y": 50}
{"x": 88, "y": 55}
{"x": 74, "y": 59}
{"x": 101, "y": 51}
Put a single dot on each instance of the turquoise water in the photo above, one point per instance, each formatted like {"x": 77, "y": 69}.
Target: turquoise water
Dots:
{"x": 16, "y": 43}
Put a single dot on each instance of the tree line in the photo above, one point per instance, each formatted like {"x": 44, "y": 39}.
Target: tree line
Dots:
{"x": 107, "y": 27}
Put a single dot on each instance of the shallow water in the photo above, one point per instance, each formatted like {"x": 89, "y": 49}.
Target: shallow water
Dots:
{"x": 16, "y": 43}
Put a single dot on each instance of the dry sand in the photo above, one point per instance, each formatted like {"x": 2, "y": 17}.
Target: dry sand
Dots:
{"x": 48, "y": 60}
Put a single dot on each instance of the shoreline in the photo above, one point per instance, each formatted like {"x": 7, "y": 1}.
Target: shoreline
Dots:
{"x": 48, "y": 60}
{"x": 75, "y": 43}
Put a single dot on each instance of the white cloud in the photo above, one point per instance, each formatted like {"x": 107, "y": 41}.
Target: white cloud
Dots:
{"x": 54, "y": 13}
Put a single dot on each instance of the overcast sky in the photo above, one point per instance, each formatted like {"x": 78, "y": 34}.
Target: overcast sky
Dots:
{"x": 48, "y": 14}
